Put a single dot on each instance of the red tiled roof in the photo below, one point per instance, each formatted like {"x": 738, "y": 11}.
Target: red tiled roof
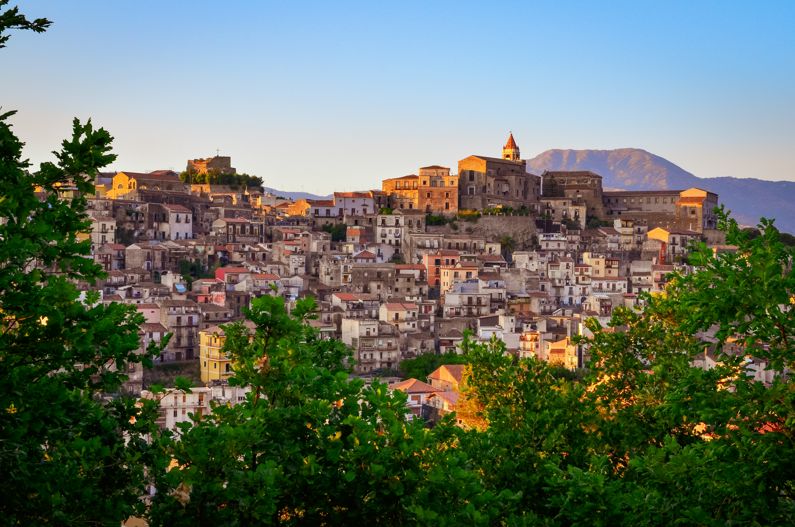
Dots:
{"x": 352, "y": 195}
{"x": 456, "y": 371}
{"x": 413, "y": 386}
{"x": 221, "y": 272}
{"x": 321, "y": 202}
{"x": 349, "y": 297}
{"x": 400, "y": 306}
{"x": 510, "y": 143}
{"x": 265, "y": 276}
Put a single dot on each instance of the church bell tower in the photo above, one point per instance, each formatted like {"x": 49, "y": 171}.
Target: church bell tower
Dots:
{"x": 510, "y": 151}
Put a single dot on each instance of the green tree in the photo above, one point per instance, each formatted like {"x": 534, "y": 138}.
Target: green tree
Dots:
{"x": 436, "y": 219}
{"x": 421, "y": 366}
{"x": 217, "y": 178}
{"x": 66, "y": 457}
{"x": 507, "y": 246}
{"x": 310, "y": 446}
{"x": 338, "y": 231}
{"x": 649, "y": 437}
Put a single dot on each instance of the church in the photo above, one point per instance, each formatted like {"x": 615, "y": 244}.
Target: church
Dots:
{"x": 487, "y": 182}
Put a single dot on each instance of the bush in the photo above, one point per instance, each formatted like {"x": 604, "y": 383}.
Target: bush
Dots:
{"x": 338, "y": 231}
{"x": 436, "y": 220}
{"x": 468, "y": 215}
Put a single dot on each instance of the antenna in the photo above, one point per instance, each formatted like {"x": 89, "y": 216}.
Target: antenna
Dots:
{"x": 217, "y": 152}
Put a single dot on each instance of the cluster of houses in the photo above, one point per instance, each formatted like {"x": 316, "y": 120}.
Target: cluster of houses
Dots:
{"x": 396, "y": 272}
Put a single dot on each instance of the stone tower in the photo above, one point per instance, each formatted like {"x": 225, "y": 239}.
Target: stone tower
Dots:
{"x": 510, "y": 151}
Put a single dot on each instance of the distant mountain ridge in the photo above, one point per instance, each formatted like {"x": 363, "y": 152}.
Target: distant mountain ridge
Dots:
{"x": 635, "y": 169}
{"x": 294, "y": 195}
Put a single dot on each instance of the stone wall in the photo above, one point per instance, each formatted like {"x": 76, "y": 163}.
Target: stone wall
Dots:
{"x": 521, "y": 228}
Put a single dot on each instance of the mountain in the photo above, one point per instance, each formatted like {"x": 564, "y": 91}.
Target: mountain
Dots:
{"x": 294, "y": 195}
{"x": 748, "y": 199}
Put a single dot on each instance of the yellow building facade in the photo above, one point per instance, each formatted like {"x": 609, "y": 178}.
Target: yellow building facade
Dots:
{"x": 125, "y": 183}
{"x": 562, "y": 352}
{"x": 403, "y": 191}
{"x": 215, "y": 364}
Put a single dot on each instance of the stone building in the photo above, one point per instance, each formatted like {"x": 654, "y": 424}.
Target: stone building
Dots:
{"x": 372, "y": 278}
{"x": 375, "y": 344}
{"x": 150, "y": 256}
{"x": 691, "y": 209}
{"x": 437, "y": 190}
{"x": 238, "y": 230}
{"x": 390, "y": 229}
{"x": 653, "y": 208}
{"x": 181, "y": 318}
{"x": 485, "y": 182}
{"x": 217, "y": 164}
{"x": 103, "y": 229}
{"x": 403, "y": 191}
{"x": 563, "y": 209}
{"x": 695, "y": 210}
{"x": 125, "y": 183}
{"x": 169, "y": 222}
{"x": 582, "y": 187}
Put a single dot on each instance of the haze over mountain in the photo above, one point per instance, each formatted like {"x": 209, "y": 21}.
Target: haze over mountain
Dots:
{"x": 635, "y": 169}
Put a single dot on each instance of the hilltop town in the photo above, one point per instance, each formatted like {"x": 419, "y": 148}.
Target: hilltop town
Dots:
{"x": 397, "y": 272}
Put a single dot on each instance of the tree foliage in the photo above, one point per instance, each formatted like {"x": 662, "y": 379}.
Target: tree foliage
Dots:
{"x": 217, "y": 178}
{"x": 338, "y": 231}
{"x": 12, "y": 19}
{"x": 309, "y": 446}
{"x": 63, "y": 453}
{"x": 647, "y": 437}
{"x": 421, "y": 366}
{"x": 66, "y": 457}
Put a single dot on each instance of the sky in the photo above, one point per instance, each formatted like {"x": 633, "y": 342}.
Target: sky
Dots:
{"x": 324, "y": 96}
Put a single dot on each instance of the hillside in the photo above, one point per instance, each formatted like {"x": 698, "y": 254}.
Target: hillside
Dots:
{"x": 636, "y": 169}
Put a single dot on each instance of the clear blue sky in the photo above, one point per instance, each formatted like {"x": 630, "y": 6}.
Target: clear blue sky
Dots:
{"x": 318, "y": 96}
